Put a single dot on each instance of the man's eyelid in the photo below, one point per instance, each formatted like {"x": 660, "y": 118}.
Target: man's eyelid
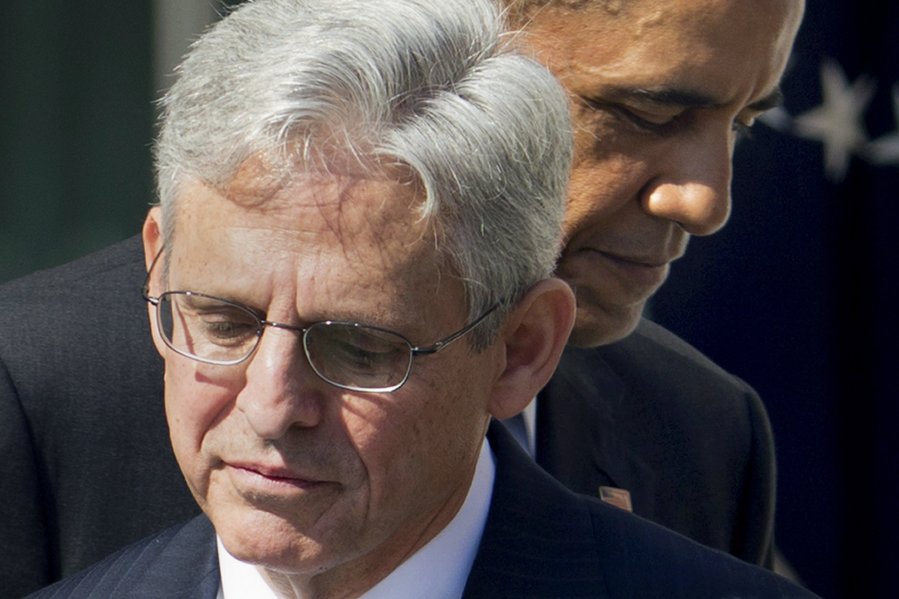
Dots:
{"x": 655, "y": 115}
{"x": 201, "y": 301}
{"x": 645, "y": 106}
{"x": 376, "y": 345}
{"x": 647, "y": 122}
{"x": 623, "y": 112}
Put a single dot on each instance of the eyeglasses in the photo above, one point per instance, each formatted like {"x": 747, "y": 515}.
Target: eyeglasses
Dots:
{"x": 348, "y": 355}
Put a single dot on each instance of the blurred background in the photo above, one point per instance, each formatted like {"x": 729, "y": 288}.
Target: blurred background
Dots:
{"x": 793, "y": 296}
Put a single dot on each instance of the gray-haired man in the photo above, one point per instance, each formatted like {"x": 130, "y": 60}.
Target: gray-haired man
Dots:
{"x": 349, "y": 277}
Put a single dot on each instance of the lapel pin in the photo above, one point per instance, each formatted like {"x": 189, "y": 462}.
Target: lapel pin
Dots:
{"x": 620, "y": 498}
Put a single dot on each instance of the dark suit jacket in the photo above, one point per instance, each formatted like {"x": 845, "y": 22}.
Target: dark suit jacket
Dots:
{"x": 88, "y": 467}
{"x": 540, "y": 540}
{"x": 691, "y": 443}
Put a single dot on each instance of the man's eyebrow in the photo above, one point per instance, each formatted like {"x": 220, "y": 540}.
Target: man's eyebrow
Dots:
{"x": 683, "y": 98}
{"x": 662, "y": 96}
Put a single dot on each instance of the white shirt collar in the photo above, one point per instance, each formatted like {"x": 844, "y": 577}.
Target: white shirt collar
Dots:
{"x": 438, "y": 570}
{"x": 529, "y": 414}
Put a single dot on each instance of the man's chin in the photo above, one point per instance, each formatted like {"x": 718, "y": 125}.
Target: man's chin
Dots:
{"x": 595, "y": 326}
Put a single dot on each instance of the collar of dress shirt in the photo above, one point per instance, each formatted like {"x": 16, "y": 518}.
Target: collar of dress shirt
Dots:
{"x": 439, "y": 569}
{"x": 529, "y": 414}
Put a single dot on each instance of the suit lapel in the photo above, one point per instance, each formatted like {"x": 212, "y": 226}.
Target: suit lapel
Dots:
{"x": 187, "y": 567}
{"x": 538, "y": 540}
{"x": 578, "y": 439}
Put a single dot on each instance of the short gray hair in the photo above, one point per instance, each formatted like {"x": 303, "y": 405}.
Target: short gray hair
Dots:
{"x": 429, "y": 84}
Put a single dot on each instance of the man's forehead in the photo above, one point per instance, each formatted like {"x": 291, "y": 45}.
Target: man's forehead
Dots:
{"x": 362, "y": 223}
{"x": 303, "y": 199}
{"x": 319, "y": 234}
{"x": 687, "y": 53}
{"x": 686, "y": 18}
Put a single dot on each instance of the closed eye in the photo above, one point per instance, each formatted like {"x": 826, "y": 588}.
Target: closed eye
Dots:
{"x": 356, "y": 348}
{"x": 657, "y": 124}
{"x": 225, "y": 330}
{"x": 663, "y": 122}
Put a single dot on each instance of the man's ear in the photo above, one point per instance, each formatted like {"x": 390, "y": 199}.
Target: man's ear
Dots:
{"x": 533, "y": 337}
{"x": 152, "y": 235}
{"x": 153, "y": 241}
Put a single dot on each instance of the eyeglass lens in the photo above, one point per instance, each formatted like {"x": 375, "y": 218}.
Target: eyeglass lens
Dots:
{"x": 346, "y": 354}
{"x": 357, "y": 356}
{"x": 208, "y": 328}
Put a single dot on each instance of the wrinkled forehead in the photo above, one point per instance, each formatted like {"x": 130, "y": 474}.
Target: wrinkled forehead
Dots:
{"x": 530, "y": 8}
{"x": 315, "y": 247}
{"x": 728, "y": 50}
{"x": 719, "y": 20}
{"x": 372, "y": 220}
{"x": 352, "y": 203}
{"x": 759, "y": 27}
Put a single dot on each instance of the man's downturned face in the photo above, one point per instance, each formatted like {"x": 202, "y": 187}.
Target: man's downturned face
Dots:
{"x": 659, "y": 91}
{"x": 298, "y": 476}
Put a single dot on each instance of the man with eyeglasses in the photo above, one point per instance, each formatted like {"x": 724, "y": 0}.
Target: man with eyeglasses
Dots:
{"x": 638, "y": 418}
{"x": 345, "y": 294}
{"x": 349, "y": 355}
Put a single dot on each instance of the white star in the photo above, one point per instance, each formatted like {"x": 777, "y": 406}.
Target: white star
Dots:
{"x": 837, "y": 123}
{"x": 777, "y": 118}
{"x": 885, "y": 149}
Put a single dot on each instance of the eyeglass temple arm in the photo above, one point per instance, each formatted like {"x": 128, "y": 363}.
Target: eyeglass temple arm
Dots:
{"x": 145, "y": 288}
{"x": 439, "y": 345}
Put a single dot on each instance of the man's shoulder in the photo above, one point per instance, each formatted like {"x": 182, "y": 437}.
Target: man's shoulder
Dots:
{"x": 80, "y": 306}
{"x": 542, "y": 539}
{"x": 105, "y": 269}
{"x": 653, "y": 348}
{"x": 655, "y": 368}
{"x": 653, "y": 415}
{"x": 95, "y": 296}
{"x": 84, "y": 321}
{"x": 643, "y": 559}
{"x": 178, "y": 562}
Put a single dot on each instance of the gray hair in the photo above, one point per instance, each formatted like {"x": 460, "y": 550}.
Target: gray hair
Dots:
{"x": 423, "y": 83}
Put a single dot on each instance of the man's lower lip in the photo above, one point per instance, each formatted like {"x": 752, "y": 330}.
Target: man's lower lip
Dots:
{"x": 254, "y": 481}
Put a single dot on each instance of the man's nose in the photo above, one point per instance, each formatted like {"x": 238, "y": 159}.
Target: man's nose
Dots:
{"x": 693, "y": 186}
{"x": 280, "y": 390}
